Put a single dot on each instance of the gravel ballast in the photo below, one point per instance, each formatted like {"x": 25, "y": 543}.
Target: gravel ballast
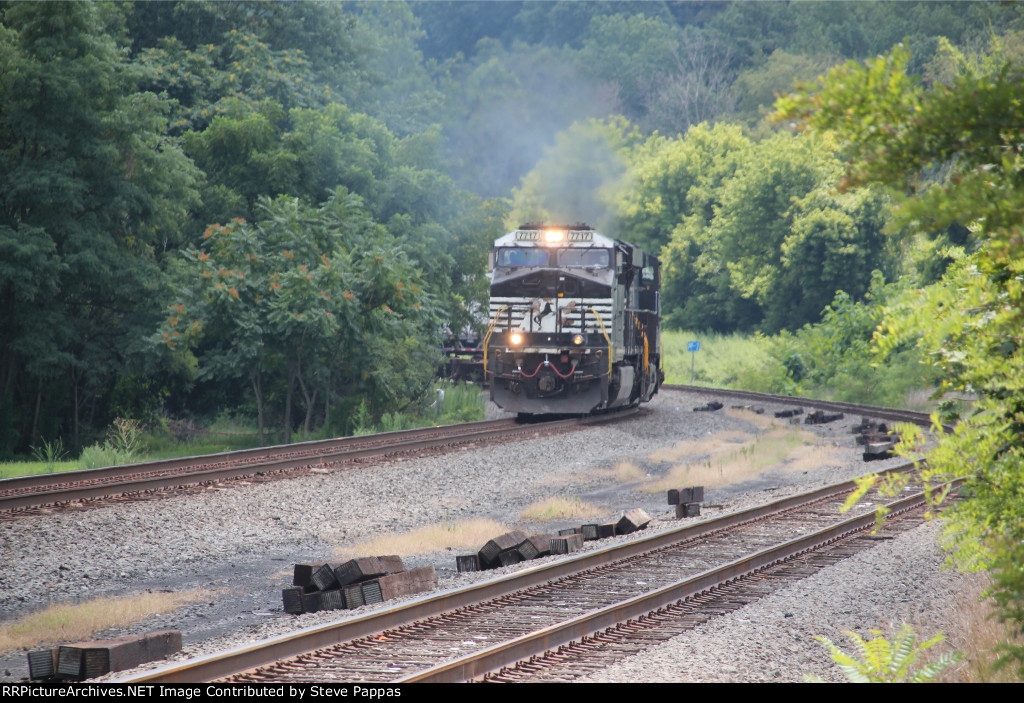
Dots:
{"x": 238, "y": 543}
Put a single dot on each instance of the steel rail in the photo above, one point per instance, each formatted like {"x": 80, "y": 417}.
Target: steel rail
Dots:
{"x": 478, "y": 664}
{"x": 240, "y": 659}
{"x": 119, "y": 480}
{"x": 311, "y": 448}
{"x": 891, "y": 414}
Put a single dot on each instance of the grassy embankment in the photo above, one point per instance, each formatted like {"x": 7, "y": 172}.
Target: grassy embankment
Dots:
{"x": 128, "y": 442}
{"x": 759, "y": 363}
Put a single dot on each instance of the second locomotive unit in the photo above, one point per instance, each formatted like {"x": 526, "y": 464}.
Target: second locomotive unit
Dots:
{"x": 575, "y": 322}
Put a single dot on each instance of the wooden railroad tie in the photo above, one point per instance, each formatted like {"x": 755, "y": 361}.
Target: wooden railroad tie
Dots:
{"x": 489, "y": 552}
{"x": 876, "y": 438}
{"x": 317, "y": 587}
{"x": 686, "y": 500}
{"x": 87, "y": 660}
{"x": 710, "y": 406}
{"x": 631, "y": 521}
{"x": 535, "y": 547}
{"x": 820, "y": 417}
{"x": 567, "y": 543}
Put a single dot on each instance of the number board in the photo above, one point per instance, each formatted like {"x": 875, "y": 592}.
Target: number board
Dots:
{"x": 693, "y": 346}
{"x": 580, "y": 235}
{"x": 535, "y": 235}
{"x": 527, "y": 235}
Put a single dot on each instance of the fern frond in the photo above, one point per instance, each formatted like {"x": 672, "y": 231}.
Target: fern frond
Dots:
{"x": 879, "y": 660}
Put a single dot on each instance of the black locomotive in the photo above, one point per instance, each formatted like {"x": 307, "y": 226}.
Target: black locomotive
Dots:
{"x": 575, "y": 322}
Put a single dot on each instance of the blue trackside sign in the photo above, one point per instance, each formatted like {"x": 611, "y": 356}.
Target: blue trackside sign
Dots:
{"x": 693, "y": 346}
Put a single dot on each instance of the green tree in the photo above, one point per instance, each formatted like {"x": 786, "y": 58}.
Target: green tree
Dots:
{"x": 632, "y": 53}
{"x": 310, "y": 298}
{"x": 673, "y": 179}
{"x": 93, "y": 193}
{"x": 898, "y": 132}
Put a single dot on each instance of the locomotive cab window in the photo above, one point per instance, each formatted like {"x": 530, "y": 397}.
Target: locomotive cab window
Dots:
{"x": 520, "y": 256}
{"x": 584, "y": 258}
{"x": 649, "y": 289}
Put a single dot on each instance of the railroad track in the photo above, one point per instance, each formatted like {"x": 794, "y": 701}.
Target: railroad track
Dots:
{"x": 478, "y": 631}
{"x": 25, "y": 495}
{"x": 881, "y": 413}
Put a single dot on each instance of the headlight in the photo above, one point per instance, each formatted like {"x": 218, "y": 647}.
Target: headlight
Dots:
{"x": 553, "y": 236}
{"x": 516, "y": 338}
{"x": 577, "y": 340}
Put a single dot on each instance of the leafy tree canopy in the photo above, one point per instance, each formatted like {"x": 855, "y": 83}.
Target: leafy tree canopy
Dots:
{"x": 968, "y": 129}
{"x": 93, "y": 193}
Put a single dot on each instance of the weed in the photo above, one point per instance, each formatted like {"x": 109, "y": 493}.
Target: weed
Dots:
{"x": 559, "y": 508}
{"x": 448, "y": 534}
{"x": 68, "y": 623}
{"x": 50, "y": 453}
{"x": 880, "y": 661}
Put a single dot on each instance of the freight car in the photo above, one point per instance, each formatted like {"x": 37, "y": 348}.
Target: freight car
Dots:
{"x": 574, "y": 322}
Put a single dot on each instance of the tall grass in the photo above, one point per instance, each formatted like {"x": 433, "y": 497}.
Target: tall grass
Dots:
{"x": 559, "y": 508}
{"x": 727, "y": 361}
{"x": 455, "y": 535}
{"x": 445, "y": 405}
{"x": 69, "y": 623}
{"x": 721, "y": 460}
{"x": 794, "y": 364}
